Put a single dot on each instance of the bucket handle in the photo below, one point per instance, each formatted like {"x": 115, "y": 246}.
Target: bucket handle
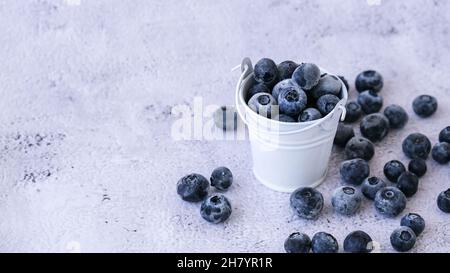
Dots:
{"x": 247, "y": 69}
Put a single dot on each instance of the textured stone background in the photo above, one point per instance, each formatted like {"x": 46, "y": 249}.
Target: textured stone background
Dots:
{"x": 87, "y": 162}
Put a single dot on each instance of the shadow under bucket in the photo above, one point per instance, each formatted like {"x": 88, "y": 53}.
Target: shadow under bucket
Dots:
{"x": 285, "y": 155}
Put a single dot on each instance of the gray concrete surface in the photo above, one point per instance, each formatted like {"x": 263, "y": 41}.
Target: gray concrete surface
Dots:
{"x": 87, "y": 161}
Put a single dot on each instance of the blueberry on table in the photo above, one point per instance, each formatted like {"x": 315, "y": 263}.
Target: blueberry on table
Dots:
{"x": 418, "y": 167}
{"x": 283, "y": 118}
{"x": 359, "y": 147}
{"x": 408, "y": 183}
{"x": 327, "y": 103}
{"x": 257, "y": 88}
{"x": 371, "y": 186}
{"x": 414, "y": 221}
{"x": 292, "y": 101}
{"x": 323, "y": 242}
{"x": 328, "y": 84}
{"x": 416, "y": 145}
{"x": 425, "y": 105}
{"x": 346, "y": 200}
{"x": 358, "y": 242}
{"x": 343, "y": 134}
{"x": 374, "y": 127}
{"x": 354, "y": 171}
{"x": 221, "y": 178}
{"x": 215, "y": 209}
{"x": 285, "y": 69}
{"x": 403, "y": 239}
{"x": 444, "y": 135}
{"x": 390, "y": 201}
{"x": 393, "y": 169}
{"x": 443, "y": 201}
{"x": 297, "y": 243}
{"x": 193, "y": 187}
{"x": 369, "y": 80}
{"x": 344, "y": 80}
{"x": 307, "y": 75}
{"x": 307, "y": 203}
{"x": 263, "y": 104}
{"x": 370, "y": 102}
{"x": 282, "y": 85}
{"x": 266, "y": 71}
{"x": 396, "y": 115}
{"x": 441, "y": 152}
{"x": 353, "y": 111}
{"x": 226, "y": 118}
{"x": 309, "y": 114}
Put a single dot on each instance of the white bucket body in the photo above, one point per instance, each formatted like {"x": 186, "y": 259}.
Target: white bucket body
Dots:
{"x": 287, "y": 156}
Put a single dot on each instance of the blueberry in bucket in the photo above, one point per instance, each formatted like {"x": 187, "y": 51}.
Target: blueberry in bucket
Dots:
{"x": 344, "y": 80}
{"x": 369, "y": 80}
{"x": 328, "y": 84}
{"x": 307, "y": 75}
{"x": 286, "y": 69}
{"x": 215, "y": 209}
{"x": 292, "y": 101}
{"x": 326, "y": 104}
{"x": 307, "y": 203}
{"x": 266, "y": 72}
{"x": 282, "y": 85}
{"x": 262, "y": 104}
{"x": 309, "y": 114}
{"x": 283, "y": 118}
{"x": 193, "y": 187}
{"x": 257, "y": 88}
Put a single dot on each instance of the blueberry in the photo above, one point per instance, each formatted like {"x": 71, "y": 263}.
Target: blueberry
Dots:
{"x": 390, "y": 201}
{"x": 307, "y": 202}
{"x": 323, "y": 242}
{"x": 370, "y": 102}
{"x": 396, "y": 115}
{"x": 444, "y": 135}
{"x": 354, "y": 171}
{"x": 292, "y": 101}
{"x": 371, "y": 186}
{"x": 297, "y": 243}
{"x": 343, "y": 134}
{"x": 284, "y": 84}
{"x": 286, "y": 69}
{"x": 369, "y": 80}
{"x": 326, "y": 104}
{"x": 221, "y": 178}
{"x": 408, "y": 183}
{"x": 358, "y": 242}
{"x": 359, "y": 147}
{"x": 346, "y": 200}
{"x": 441, "y": 152}
{"x": 262, "y": 104}
{"x": 226, "y": 118}
{"x": 393, "y": 169}
{"x": 414, "y": 221}
{"x": 309, "y": 114}
{"x": 307, "y": 75}
{"x": 354, "y": 111}
{"x": 342, "y": 78}
{"x": 416, "y": 145}
{"x": 425, "y": 105}
{"x": 193, "y": 187}
{"x": 403, "y": 239}
{"x": 266, "y": 71}
{"x": 443, "y": 201}
{"x": 374, "y": 127}
{"x": 418, "y": 167}
{"x": 216, "y": 209}
{"x": 257, "y": 88}
{"x": 328, "y": 84}
{"x": 283, "y": 118}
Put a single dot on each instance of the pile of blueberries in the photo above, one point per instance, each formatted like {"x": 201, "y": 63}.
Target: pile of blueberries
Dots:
{"x": 194, "y": 188}
{"x": 388, "y": 200}
{"x": 291, "y": 92}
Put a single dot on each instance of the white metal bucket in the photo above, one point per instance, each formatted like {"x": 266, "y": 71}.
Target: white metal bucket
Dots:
{"x": 287, "y": 156}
